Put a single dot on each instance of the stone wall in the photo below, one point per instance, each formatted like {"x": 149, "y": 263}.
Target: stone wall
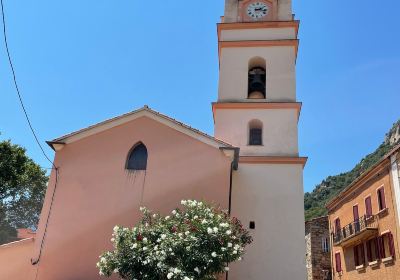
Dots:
{"x": 318, "y": 261}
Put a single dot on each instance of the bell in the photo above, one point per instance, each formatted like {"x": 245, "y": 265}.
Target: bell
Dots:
{"x": 256, "y": 87}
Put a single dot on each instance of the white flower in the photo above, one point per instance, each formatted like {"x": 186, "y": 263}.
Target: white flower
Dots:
{"x": 186, "y": 278}
{"x": 145, "y": 239}
{"x": 154, "y": 215}
{"x": 223, "y": 249}
{"x": 195, "y": 217}
{"x": 112, "y": 239}
{"x": 167, "y": 218}
{"x": 116, "y": 270}
{"x": 197, "y": 270}
{"x": 213, "y": 254}
{"x": 103, "y": 260}
{"x": 234, "y": 252}
{"x": 134, "y": 245}
{"x": 144, "y": 248}
{"x": 163, "y": 236}
{"x": 177, "y": 270}
{"x": 145, "y": 262}
{"x": 169, "y": 275}
{"x": 224, "y": 225}
{"x": 240, "y": 258}
{"x": 183, "y": 202}
{"x": 174, "y": 212}
{"x": 228, "y": 232}
{"x": 142, "y": 208}
{"x": 236, "y": 246}
{"x": 116, "y": 228}
{"x": 226, "y": 268}
{"x": 204, "y": 221}
{"x": 215, "y": 229}
{"x": 209, "y": 230}
{"x": 229, "y": 244}
{"x": 187, "y": 232}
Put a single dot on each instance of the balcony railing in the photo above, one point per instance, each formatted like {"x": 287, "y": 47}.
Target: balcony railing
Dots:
{"x": 358, "y": 229}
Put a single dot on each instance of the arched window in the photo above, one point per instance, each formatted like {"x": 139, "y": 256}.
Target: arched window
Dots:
{"x": 255, "y": 133}
{"x": 137, "y": 159}
{"x": 256, "y": 78}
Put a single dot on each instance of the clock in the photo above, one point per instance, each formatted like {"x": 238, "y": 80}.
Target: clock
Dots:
{"x": 257, "y": 10}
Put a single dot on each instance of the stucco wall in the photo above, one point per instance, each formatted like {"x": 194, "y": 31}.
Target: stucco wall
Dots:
{"x": 272, "y": 197}
{"x": 258, "y": 34}
{"x": 15, "y": 260}
{"x": 279, "y": 133}
{"x": 280, "y": 72}
{"x": 95, "y": 192}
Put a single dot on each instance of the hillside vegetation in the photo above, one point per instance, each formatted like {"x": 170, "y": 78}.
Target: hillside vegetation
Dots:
{"x": 314, "y": 202}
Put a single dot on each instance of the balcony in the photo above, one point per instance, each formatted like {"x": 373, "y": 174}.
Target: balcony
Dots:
{"x": 365, "y": 227}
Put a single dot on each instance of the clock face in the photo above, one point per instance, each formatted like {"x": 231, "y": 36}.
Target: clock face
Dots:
{"x": 257, "y": 10}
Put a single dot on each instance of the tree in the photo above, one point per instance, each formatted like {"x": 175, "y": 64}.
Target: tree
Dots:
{"x": 196, "y": 243}
{"x": 22, "y": 189}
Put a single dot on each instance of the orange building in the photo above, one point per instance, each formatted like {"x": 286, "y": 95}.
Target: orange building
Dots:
{"x": 364, "y": 224}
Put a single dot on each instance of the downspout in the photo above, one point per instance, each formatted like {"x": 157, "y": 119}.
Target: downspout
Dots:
{"x": 234, "y": 166}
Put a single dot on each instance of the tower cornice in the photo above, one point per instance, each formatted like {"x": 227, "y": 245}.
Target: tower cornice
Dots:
{"x": 273, "y": 160}
{"x": 257, "y": 25}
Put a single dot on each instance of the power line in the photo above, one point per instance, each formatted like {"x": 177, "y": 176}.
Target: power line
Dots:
{"x": 17, "y": 88}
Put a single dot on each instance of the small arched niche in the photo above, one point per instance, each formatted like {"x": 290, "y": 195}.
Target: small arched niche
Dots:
{"x": 255, "y": 133}
{"x": 137, "y": 158}
{"x": 256, "y": 78}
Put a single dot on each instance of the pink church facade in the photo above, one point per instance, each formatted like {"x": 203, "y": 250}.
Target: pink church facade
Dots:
{"x": 95, "y": 191}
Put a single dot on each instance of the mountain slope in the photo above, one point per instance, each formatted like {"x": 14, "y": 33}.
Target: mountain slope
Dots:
{"x": 314, "y": 202}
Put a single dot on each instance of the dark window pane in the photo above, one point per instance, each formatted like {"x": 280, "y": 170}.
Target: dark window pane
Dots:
{"x": 255, "y": 136}
{"x": 138, "y": 158}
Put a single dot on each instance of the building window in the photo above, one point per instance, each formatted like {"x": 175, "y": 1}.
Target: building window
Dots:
{"x": 256, "y": 78}
{"x": 325, "y": 244}
{"x": 359, "y": 255}
{"x": 337, "y": 226}
{"x": 137, "y": 159}
{"x": 372, "y": 250}
{"x": 368, "y": 207}
{"x": 386, "y": 245}
{"x": 381, "y": 199}
{"x": 338, "y": 262}
{"x": 255, "y": 133}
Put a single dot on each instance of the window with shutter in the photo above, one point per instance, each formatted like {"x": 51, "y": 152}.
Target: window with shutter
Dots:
{"x": 369, "y": 250}
{"x": 338, "y": 262}
{"x": 391, "y": 245}
{"x": 381, "y": 199}
{"x": 337, "y": 226}
{"x": 368, "y": 207}
{"x": 355, "y": 253}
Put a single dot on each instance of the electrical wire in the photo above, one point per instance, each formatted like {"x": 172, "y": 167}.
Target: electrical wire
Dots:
{"x": 17, "y": 88}
{"x": 34, "y": 135}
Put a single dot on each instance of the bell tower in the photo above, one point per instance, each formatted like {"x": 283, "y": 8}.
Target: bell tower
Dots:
{"x": 258, "y": 112}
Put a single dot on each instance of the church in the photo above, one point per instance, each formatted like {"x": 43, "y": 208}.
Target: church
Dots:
{"x": 251, "y": 165}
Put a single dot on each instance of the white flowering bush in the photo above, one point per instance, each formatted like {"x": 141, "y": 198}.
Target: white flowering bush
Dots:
{"x": 197, "y": 242}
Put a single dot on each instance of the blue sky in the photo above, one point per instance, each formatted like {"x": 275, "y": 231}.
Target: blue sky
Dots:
{"x": 80, "y": 62}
